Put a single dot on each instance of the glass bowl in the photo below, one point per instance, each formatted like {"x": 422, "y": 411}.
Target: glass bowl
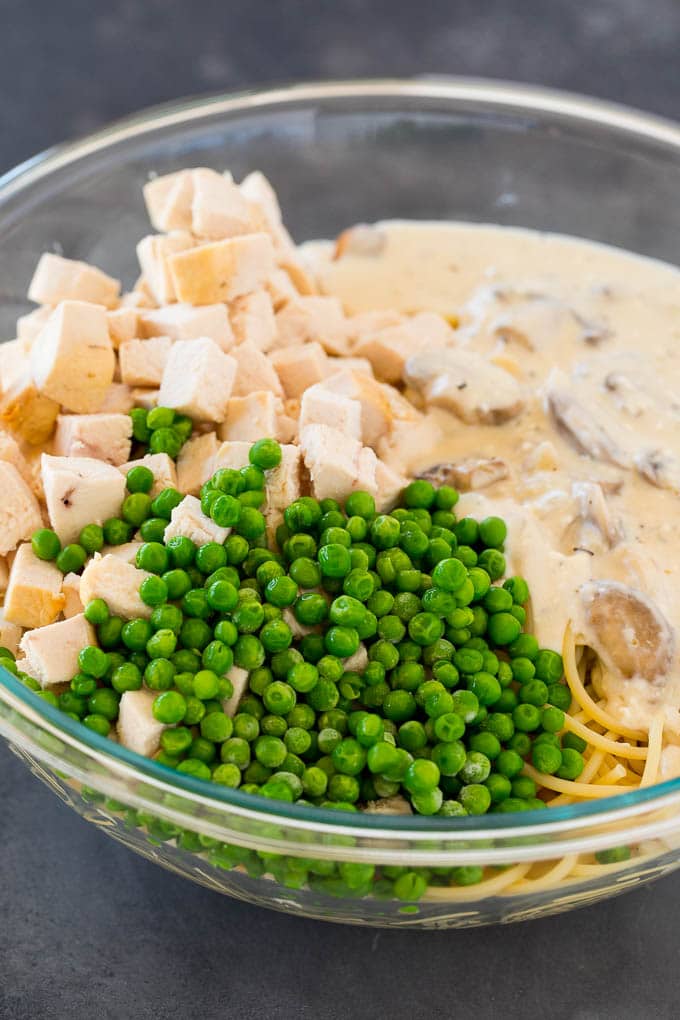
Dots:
{"x": 337, "y": 154}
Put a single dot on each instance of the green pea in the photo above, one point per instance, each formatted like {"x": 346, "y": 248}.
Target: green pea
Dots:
{"x": 71, "y": 559}
{"x": 45, "y": 544}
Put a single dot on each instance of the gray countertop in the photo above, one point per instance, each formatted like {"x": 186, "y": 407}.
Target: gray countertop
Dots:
{"x": 88, "y": 930}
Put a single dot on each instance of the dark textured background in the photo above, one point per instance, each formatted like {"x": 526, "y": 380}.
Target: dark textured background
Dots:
{"x": 87, "y": 930}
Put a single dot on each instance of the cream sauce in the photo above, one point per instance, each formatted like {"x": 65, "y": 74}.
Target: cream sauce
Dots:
{"x": 591, "y": 335}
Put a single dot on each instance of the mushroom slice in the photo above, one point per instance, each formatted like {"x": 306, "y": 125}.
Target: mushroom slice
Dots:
{"x": 471, "y": 474}
{"x": 627, "y": 630}
{"x": 581, "y": 424}
{"x": 466, "y": 383}
{"x": 594, "y": 509}
{"x": 660, "y": 467}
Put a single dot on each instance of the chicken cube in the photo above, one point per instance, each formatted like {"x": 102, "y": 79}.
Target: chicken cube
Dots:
{"x": 194, "y": 464}
{"x": 280, "y": 288}
{"x": 28, "y": 413}
{"x": 137, "y": 727}
{"x": 155, "y": 253}
{"x": 337, "y": 465}
{"x": 222, "y": 270}
{"x": 142, "y": 362}
{"x": 19, "y": 509}
{"x": 72, "y": 359}
{"x": 300, "y": 366}
{"x": 127, "y": 552}
{"x": 218, "y": 208}
{"x": 259, "y": 191}
{"x": 10, "y": 634}
{"x": 110, "y": 578}
{"x": 161, "y": 466}
{"x": 58, "y": 279}
{"x": 187, "y": 519}
{"x": 376, "y": 413}
{"x": 232, "y": 455}
{"x": 282, "y": 485}
{"x": 388, "y": 349}
{"x": 390, "y": 484}
{"x": 34, "y": 597}
{"x": 123, "y": 325}
{"x": 254, "y": 371}
{"x": 29, "y": 325}
{"x": 361, "y": 365}
{"x": 252, "y": 417}
{"x": 70, "y": 589}
{"x": 118, "y": 399}
{"x": 320, "y": 406}
{"x": 101, "y": 436}
{"x": 313, "y": 318}
{"x": 145, "y": 396}
{"x": 80, "y": 491}
{"x": 11, "y": 454}
{"x": 52, "y": 651}
{"x": 184, "y": 322}
{"x": 239, "y": 679}
{"x": 198, "y": 379}
{"x": 358, "y": 662}
{"x": 168, "y": 201}
{"x": 253, "y": 320}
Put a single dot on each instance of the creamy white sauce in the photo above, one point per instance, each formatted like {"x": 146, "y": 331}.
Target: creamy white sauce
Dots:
{"x": 609, "y": 323}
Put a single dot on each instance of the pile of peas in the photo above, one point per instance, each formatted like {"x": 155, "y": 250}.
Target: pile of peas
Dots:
{"x": 160, "y": 430}
{"x": 449, "y": 700}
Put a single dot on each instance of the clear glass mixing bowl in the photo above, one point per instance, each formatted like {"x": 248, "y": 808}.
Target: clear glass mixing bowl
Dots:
{"x": 337, "y": 154}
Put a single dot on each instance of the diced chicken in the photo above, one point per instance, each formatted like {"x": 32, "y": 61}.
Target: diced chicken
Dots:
{"x": 52, "y": 651}
{"x": 11, "y": 454}
{"x": 161, "y": 465}
{"x": 145, "y": 396}
{"x": 29, "y": 325}
{"x": 139, "y": 297}
{"x": 627, "y": 630}
{"x": 466, "y": 383}
{"x": 34, "y": 597}
{"x": 584, "y": 426}
{"x": 10, "y": 634}
{"x": 468, "y": 475}
{"x": 184, "y": 322}
{"x": 257, "y": 189}
{"x": 123, "y": 325}
{"x": 253, "y": 320}
{"x": 142, "y": 362}
{"x": 358, "y": 662}
{"x": 194, "y": 464}
{"x": 168, "y": 201}
{"x": 58, "y": 279}
{"x": 361, "y": 365}
{"x": 281, "y": 289}
{"x": 218, "y": 207}
{"x": 80, "y": 491}
{"x": 396, "y": 805}
{"x": 232, "y": 455}
{"x": 187, "y": 519}
{"x": 127, "y": 552}
{"x": 363, "y": 324}
{"x": 198, "y": 379}
{"x": 254, "y": 371}
{"x": 252, "y": 417}
{"x": 283, "y": 485}
{"x": 19, "y": 509}
{"x": 118, "y": 399}
{"x": 337, "y": 465}
{"x": 222, "y": 270}
{"x": 239, "y": 678}
{"x": 299, "y": 367}
{"x": 389, "y": 348}
{"x": 300, "y": 273}
{"x": 110, "y": 578}
{"x": 26, "y": 411}
{"x": 72, "y": 360}
{"x": 14, "y": 361}
{"x": 390, "y": 484}
{"x": 320, "y": 406}
{"x": 313, "y": 318}
{"x": 402, "y": 448}
{"x": 137, "y": 727}
{"x": 155, "y": 253}
{"x": 70, "y": 589}
{"x": 376, "y": 413}
{"x": 101, "y": 436}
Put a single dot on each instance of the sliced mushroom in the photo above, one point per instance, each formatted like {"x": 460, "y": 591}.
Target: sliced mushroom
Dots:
{"x": 582, "y": 425}
{"x": 660, "y": 467}
{"x": 471, "y": 474}
{"x": 466, "y": 383}
{"x": 594, "y": 510}
{"x": 627, "y": 630}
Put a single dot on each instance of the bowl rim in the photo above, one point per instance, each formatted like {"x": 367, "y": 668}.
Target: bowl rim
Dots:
{"x": 501, "y": 97}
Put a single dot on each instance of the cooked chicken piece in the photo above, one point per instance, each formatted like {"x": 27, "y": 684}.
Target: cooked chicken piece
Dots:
{"x": 181, "y": 321}
{"x": 313, "y": 318}
{"x": 58, "y": 279}
{"x": 222, "y": 270}
{"x": 70, "y": 589}
{"x": 282, "y": 486}
{"x": 142, "y": 362}
{"x": 627, "y": 630}
{"x": 300, "y": 366}
{"x": 467, "y": 384}
{"x": 110, "y": 578}
{"x": 19, "y": 509}
{"x": 10, "y": 452}
{"x": 396, "y": 805}
{"x": 29, "y": 325}
{"x": 138, "y": 729}
{"x": 198, "y": 379}
{"x": 252, "y": 417}
{"x": 123, "y": 325}
{"x": 168, "y": 201}
{"x": 337, "y": 464}
{"x": 320, "y": 406}
{"x": 389, "y": 486}
{"x": 260, "y": 194}
{"x": 154, "y": 253}
{"x": 584, "y": 426}
{"x": 80, "y": 491}
{"x": 10, "y": 634}
{"x": 218, "y": 207}
{"x": 376, "y": 412}
{"x": 254, "y": 371}
{"x": 161, "y": 466}
{"x": 660, "y": 467}
{"x": 253, "y": 320}
{"x": 52, "y": 651}
{"x": 34, "y": 597}
{"x": 118, "y": 399}
{"x": 389, "y": 348}
{"x": 101, "y": 436}
{"x": 239, "y": 679}
{"x": 473, "y": 473}
{"x": 187, "y": 519}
